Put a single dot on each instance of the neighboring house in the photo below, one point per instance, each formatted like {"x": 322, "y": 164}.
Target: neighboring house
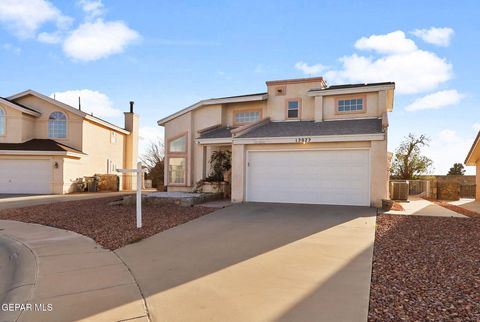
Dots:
{"x": 473, "y": 159}
{"x": 45, "y": 145}
{"x": 300, "y": 142}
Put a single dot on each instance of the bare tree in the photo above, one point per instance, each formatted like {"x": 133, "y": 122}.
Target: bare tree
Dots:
{"x": 408, "y": 160}
{"x": 154, "y": 159}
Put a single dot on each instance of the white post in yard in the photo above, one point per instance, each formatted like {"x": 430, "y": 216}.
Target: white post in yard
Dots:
{"x": 139, "y": 171}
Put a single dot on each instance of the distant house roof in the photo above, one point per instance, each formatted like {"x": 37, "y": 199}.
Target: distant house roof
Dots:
{"x": 219, "y": 100}
{"x": 38, "y": 145}
{"x": 217, "y": 133}
{"x": 62, "y": 105}
{"x": 312, "y": 128}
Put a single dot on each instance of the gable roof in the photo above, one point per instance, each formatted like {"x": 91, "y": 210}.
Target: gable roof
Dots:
{"x": 19, "y": 107}
{"x": 475, "y": 146}
{"x": 212, "y": 101}
{"x": 38, "y": 145}
{"x": 217, "y": 133}
{"x": 66, "y": 107}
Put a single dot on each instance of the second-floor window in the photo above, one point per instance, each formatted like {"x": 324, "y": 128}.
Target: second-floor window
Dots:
{"x": 350, "y": 105}
{"x": 247, "y": 117}
{"x": 2, "y": 122}
{"x": 293, "y": 109}
{"x": 57, "y": 125}
{"x": 178, "y": 145}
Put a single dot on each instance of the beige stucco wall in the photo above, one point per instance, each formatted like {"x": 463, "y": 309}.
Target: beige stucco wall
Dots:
{"x": 276, "y": 104}
{"x": 74, "y": 125}
{"x": 378, "y": 164}
{"x": 477, "y": 181}
{"x": 13, "y": 123}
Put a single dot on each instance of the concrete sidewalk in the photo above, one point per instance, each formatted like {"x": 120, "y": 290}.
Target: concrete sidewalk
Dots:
{"x": 19, "y": 201}
{"x": 422, "y": 207}
{"x": 79, "y": 279}
{"x": 469, "y": 204}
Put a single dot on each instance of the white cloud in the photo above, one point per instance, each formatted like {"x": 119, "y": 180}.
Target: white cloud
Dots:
{"x": 99, "y": 39}
{"x": 412, "y": 69}
{"x": 92, "y": 102}
{"x": 391, "y": 43}
{"x": 25, "y": 17}
{"x": 436, "y": 100}
{"x": 49, "y": 37}
{"x": 457, "y": 147}
{"x": 476, "y": 126}
{"x": 93, "y": 8}
{"x": 435, "y": 36}
{"x": 309, "y": 69}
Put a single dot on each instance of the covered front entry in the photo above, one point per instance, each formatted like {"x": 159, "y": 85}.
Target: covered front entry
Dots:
{"x": 335, "y": 177}
{"x": 26, "y": 176}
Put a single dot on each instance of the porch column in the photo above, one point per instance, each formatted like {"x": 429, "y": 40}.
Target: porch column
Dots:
{"x": 238, "y": 173}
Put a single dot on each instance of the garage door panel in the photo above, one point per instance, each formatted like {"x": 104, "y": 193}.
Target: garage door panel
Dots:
{"x": 328, "y": 177}
{"x": 25, "y": 176}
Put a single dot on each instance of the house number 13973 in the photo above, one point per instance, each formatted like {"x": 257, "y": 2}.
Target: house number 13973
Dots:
{"x": 303, "y": 140}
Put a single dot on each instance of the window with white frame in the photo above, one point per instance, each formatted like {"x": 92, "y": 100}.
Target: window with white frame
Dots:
{"x": 113, "y": 137}
{"x": 178, "y": 144}
{"x": 57, "y": 125}
{"x": 351, "y": 104}
{"x": 247, "y": 116}
{"x": 177, "y": 173}
{"x": 293, "y": 109}
{"x": 2, "y": 122}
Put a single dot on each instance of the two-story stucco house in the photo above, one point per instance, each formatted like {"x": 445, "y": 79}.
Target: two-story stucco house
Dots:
{"x": 300, "y": 142}
{"x": 45, "y": 145}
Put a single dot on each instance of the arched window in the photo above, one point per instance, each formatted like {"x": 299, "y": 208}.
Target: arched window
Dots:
{"x": 2, "y": 122}
{"x": 57, "y": 125}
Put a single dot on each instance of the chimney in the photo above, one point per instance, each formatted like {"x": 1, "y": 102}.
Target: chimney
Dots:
{"x": 131, "y": 144}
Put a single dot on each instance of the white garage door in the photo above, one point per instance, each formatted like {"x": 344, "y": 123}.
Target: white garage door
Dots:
{"x": 25, "y": 176}
{"x": 335, "y": 177}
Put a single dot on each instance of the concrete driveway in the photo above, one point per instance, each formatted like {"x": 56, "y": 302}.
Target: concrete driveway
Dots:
{"x": 259, "y": 262}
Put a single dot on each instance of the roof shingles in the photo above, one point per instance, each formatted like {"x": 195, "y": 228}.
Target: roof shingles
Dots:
{"x": 312, "y": 128}
{"x": 38, "y": 145}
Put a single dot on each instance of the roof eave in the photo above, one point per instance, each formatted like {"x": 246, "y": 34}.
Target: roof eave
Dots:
{"x": 351, "y": 90}
{"x": 468, "y": 159}
{"x": 213, "y": 101}
{"x": 19, "y": 108}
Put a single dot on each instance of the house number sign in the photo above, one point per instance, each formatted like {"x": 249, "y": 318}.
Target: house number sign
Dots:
{"x": 303, "y": 140}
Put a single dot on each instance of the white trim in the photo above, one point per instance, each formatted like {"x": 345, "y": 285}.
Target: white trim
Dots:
{"x": 212, "y": 101}
{"x": 247, "y": 158}
{"x": 314, "y": 139}
{"x": 350, "y": 90}
{"x": 46, "y": 153}
{"x": 215, "y": 141}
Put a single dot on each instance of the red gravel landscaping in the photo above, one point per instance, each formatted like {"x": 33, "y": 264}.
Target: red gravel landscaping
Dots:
{"x": 112, "y": 226}
{"x": 426, "y": 269}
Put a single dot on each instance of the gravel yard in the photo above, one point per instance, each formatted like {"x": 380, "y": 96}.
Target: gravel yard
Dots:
{"x": 426, "y": 269}
{"x": 112, "y": 226}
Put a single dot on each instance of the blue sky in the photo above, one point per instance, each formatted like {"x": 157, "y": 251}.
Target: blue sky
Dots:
{"x": 166, "y": 55}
